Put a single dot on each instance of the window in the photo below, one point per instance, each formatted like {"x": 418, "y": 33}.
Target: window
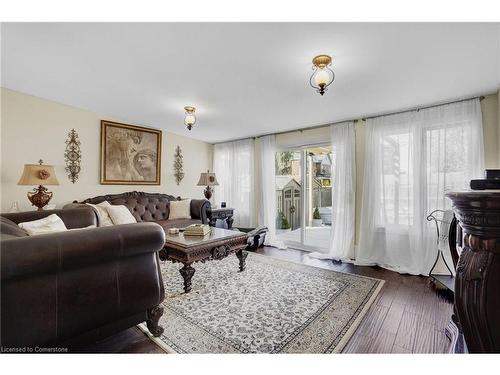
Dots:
{"x": 411, "y": 160}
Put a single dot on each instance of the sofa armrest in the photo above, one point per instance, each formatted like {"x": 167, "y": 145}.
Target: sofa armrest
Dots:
{"x": 73, "y": 218}
{"x": 83, "y": 206}
{"x": 199, "y": 209}
{"x": 61, "y": 251}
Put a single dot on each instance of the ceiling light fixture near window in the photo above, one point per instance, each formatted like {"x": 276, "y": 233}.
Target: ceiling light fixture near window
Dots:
{"x": 323, "y": 76}
{"x": 190, "y": 118}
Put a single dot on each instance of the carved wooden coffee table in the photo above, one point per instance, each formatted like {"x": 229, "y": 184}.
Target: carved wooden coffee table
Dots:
{"x": 218, "y": 244}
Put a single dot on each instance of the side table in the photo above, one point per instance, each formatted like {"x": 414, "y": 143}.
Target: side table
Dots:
{"x": 224, "y": 213}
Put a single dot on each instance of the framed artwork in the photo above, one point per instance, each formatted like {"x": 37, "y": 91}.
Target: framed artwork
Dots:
{"x": 130, "y": 155}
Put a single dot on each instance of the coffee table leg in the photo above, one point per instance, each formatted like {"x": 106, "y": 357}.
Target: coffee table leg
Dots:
{"x": 162, "y": 254}
{"x": 187, "y": 273}
{"x": 242, "y": 256}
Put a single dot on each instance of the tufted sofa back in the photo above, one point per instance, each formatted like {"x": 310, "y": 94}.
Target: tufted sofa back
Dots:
{"x": 144, "y": 206}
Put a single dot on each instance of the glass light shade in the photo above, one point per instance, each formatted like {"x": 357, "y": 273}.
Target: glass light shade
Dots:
{"x": 321, "y": 77}
{"x": 190, "y": 119}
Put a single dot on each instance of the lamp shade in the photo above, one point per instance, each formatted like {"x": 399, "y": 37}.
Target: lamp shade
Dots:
{"x": 207, "y": 179}
{"x": 38, "y": 174}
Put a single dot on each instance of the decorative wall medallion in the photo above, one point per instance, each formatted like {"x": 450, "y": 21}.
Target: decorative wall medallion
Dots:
{"x": 73, "y": 156}
{"x": 178, "y": 173}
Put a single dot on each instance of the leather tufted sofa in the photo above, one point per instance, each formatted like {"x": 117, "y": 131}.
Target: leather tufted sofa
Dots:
{"x": 70, "y": 288}
{"x": 155, "y": 207}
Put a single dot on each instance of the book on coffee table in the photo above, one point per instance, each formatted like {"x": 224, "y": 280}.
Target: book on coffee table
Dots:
{"x": 197, "y": 230}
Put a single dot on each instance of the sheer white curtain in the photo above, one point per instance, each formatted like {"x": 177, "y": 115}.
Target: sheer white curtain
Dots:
{"x": 268, "y": 189}
{"x": 343, "y": 193}
{"x": 234, "y": 168}
{"x": 411, "y": 159}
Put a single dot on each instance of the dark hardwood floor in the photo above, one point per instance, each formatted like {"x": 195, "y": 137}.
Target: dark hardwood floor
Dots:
{"x": 407, "y": 317}
{"x": 131, "y": 340}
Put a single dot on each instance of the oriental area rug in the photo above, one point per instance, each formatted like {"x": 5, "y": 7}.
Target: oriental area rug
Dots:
{"x": 274, "y": 306}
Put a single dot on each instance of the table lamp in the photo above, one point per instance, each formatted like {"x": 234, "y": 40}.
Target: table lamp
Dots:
{"x": 38, "y": 174}
{"x": 208, "y": 179}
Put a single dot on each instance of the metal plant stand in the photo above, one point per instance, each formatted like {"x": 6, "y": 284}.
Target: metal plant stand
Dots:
{"x": 445, "y": 225}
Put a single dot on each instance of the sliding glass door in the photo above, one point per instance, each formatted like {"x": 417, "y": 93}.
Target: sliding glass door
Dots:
{"x": 304, "y": 197}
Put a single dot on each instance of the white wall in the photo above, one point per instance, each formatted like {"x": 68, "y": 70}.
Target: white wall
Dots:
{"x": 34, "y": 128}
{"x": 491, "y": 131}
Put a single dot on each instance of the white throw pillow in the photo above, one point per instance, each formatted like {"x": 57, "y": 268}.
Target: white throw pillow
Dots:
{"x": 180, "y": 209}
{"x": 49, "y": 224}
{"x": 120, "y": 215}
{"x": 102, "y": 213}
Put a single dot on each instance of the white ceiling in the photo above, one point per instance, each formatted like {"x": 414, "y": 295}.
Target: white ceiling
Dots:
{"x": 247, "y": 78}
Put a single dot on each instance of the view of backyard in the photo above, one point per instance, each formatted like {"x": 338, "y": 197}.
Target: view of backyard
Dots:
{"x": 304, "y": 201}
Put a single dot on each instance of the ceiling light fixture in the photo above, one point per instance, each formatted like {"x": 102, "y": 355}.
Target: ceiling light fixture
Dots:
{"x": 190, "y": 118}
{"x": 323, "y": 76}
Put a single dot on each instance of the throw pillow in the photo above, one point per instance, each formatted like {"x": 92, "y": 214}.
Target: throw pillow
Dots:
{"x": 180, "y": 209}
{"x": 120, "y": 215}
{"x": 49, "y": 224}
{"x": 102, "y": 213}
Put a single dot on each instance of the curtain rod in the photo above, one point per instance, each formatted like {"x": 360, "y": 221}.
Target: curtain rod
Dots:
{"x": 418, "y": 108}
{"x": 481, "y": 97}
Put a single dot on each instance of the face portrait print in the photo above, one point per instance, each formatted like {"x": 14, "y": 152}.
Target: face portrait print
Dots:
{"x": 120, "y": 144}
{"x": 145, "y": 164}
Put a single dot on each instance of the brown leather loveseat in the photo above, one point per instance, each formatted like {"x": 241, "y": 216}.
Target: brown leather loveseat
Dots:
{"x": 155, "y": 207}
{"x": 69, "y": 288}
